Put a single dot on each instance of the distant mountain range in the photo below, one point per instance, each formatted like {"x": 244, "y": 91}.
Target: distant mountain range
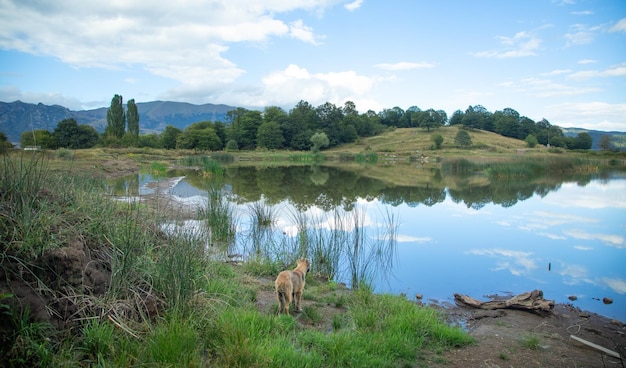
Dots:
{"x": 18, "y": 117}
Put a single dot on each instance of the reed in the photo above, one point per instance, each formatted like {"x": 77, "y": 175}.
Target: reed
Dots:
{"x": 219, "y": 214}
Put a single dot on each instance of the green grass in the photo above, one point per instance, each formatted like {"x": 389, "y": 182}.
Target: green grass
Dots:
{"x": 531, "y": 342}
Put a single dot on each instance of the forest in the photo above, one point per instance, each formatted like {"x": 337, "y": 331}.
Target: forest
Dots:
{"x": 304, "y": 127}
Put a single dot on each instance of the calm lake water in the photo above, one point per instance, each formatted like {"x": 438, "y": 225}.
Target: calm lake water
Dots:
{"x": 463, "y": 234}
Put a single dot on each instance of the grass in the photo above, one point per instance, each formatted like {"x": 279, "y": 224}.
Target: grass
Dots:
{"x": 531, "y": 342}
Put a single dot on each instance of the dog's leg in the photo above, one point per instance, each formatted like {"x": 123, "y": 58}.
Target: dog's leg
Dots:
{"x": 297, "y": 300}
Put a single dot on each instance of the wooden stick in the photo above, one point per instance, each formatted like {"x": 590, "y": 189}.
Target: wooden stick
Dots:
{"x": 595, "y": 346}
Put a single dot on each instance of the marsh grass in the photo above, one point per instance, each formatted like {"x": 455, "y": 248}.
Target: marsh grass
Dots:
{"x": 524, "y": 167}
{"x": 219, "y": 214}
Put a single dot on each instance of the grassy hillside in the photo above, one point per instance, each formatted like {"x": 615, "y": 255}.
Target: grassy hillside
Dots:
{"x": 417, "y": 141}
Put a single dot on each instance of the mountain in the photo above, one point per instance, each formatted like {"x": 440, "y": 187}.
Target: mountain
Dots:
{"x": 18, "y": 117}
{"x": 618, "y": 139}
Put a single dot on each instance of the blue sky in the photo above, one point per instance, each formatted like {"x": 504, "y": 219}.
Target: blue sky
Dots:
{"x": 563, "y": 60}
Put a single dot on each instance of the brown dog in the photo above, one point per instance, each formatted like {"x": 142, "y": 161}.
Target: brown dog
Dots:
{"x": 289, "y": 286}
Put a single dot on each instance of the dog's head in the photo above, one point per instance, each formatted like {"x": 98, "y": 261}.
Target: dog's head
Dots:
{"x": 304, "y": 261}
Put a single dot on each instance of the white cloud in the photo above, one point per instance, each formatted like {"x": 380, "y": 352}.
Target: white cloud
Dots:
{"x": 558, "y": 72}
{"x": 613, "y": 71}
{"x": 620, "y": 26}
{"x": 184, "y": 42}
{"x": 404, "y": 65}
{"x": 354, "y": 5}
{"x": 295, "y": 83}
{"x": 301, "y": 32}
{"x": 543, "y": 87}
{"x": 590, "y": 115}
{"x": 10, "y": 94}
{"x": 581, "y": 34}
{"x": 587, "y": 61}
{"x": 522, "y": 44}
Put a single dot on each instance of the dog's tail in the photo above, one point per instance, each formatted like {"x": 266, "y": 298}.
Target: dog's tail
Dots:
{"x": 282, "y": 300}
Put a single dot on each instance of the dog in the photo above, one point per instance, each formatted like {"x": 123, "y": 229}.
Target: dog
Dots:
{"x": 289, "y": 286}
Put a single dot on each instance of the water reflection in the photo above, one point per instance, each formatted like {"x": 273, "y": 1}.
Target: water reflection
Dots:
{"x": 464, "y": 234}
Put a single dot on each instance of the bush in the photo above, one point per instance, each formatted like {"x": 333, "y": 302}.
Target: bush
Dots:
{"x": 531, "y": 141}
{"x": 232, "y": 145}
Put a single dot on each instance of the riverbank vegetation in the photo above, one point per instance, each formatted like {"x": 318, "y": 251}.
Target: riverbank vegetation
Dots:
{"x": 89, "y": 280}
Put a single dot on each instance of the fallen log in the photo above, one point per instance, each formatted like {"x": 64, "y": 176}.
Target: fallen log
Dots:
{"x": 529, "y": 301}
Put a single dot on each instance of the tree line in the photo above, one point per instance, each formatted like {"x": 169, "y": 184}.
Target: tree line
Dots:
{"x": 304, "y": 127}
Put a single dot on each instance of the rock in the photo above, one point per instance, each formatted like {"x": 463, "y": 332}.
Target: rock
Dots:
{"x": 572, "y": 297}
{"x": 419, "y": 296}
{"x": 606, "y": 300}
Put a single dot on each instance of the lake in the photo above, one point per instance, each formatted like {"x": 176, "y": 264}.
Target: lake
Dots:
{"x": 452, "y": 233}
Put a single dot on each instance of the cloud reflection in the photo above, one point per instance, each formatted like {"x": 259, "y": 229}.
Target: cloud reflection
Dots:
{"x": 412, "y": 239}
{"x": 516, "y": 262}
{"x": 612, "y": 240}
{"x": 618, "y": 285}
{"x": 575, "y": 274}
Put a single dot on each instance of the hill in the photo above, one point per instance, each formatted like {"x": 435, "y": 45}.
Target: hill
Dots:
{"x": 618, "y": 139}
{"x": 18, "y": 117}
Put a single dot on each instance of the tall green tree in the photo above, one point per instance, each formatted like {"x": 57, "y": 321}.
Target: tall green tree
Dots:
{"x": 463, "y": 139}
{"x": 270, "y": 136}
{"x": 132, "y": 118}
{"x": 116, "y": 118}
{"x": 69, "y": 134}
{"x": 38, "y": 137}
{"x": 319, "y": 140}
{"x": 169, "y": 137}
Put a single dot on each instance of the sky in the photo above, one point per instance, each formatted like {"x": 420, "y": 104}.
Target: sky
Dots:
{"x": 562, "y": 60}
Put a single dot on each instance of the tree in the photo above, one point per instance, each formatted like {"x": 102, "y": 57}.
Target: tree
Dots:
{"x": 169, "y": 137}
{"x": 437, "y": 140}
{"x": 582, "y": 141}
{"x": 463, "y": 139}
{"x": 38, "y": 137}
{"x": 116, "y": 118}
{"x": 319, "y": 140}
{"x": 5, "y": 145}
{"x": 132, "y": 118}
{"x": 430, "y": 119}
{"x": 200, "y": 136}
{"x": 605, "y": 143}
{"x": 270, "y": 136}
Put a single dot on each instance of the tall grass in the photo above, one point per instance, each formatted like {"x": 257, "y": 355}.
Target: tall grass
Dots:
{"x": 24, "y": 182}
{"x": 219, "y": 214}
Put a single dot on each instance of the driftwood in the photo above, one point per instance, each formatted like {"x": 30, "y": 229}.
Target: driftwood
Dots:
{"x": 530, "y": 301}
{"x": 602, "y": 349}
